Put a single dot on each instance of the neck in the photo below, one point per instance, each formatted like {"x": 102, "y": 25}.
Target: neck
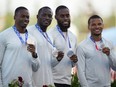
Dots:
{"x": 43, "y": 28}
{"x": 96, "y": 38}
{"x": 63, "y": 29}
{"x": 20, "y": 29}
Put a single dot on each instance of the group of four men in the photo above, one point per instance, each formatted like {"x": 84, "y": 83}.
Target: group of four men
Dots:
{"x": 44, "y": 57}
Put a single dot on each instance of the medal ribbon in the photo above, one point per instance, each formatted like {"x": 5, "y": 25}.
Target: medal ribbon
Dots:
{"x": 19, "y": 36}
{"x": 95, "y": 42}
{"x": 58, "y": 28}
{"x": 46, "y": 37}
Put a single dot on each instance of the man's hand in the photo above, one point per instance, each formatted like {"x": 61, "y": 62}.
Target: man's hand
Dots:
{"x": 106, "y": 50}
{"x": 74, "y": 58}
{"x": 60, "y": 55}
{"x": 31, "y": 48}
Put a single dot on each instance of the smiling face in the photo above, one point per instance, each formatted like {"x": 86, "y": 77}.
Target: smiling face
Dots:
{"x": 63, "y": 19}
{"x": 22, "y": 18}
{"x": 96, "y": 26}
{"x": 44, "y": 18}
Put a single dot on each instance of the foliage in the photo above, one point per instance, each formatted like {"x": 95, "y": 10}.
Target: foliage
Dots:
{"x": 8, "y": 20}
{"x": 17, "y": 82}
{"x": 74, "y": 82}
{"x": 113, "y": 84}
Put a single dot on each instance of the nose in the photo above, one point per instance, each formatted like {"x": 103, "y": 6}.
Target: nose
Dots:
{"x": 49, "y": 18}
{"x": 97, "y": 26}
{"x": 26, "y": 19}
{"x": 65, "y": 17}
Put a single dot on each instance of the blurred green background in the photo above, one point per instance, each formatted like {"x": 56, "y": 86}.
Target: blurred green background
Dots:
{"x": 80, "y": 11}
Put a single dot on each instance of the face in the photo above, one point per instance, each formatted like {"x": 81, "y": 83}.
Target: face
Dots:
{"x": 96, "y": 26}
{"x": 22, "y": 18}
{"x": 45, "y": 17}
{"x": 63, "y": 18}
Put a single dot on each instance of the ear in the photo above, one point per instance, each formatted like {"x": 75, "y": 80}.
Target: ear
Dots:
{"x": 55, "y": 17}
{"x": 88, "y": 27}
{"x": 37, "y": 16}
{"x": 14, "y": 17}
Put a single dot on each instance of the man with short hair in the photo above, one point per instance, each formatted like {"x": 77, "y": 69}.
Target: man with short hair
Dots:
{"x": 18, "y": 58}
{"x": 43, "y": 77}
{"x": 95, "y": 57}
{"x": 65, "y": 41}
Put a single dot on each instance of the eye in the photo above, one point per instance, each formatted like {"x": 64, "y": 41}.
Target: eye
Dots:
{"x": 62, "y": 16}
{"x": 27, "y": 17}
{"x": 99, "y": 23}
{"x": 92, "y": 24}
{"x": 50, "y": 16}
{"x": 67, "y": 15}
{"x": 23, "y": 16}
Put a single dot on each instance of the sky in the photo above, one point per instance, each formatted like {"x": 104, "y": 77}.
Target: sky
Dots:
{"x": 103, "y": 7}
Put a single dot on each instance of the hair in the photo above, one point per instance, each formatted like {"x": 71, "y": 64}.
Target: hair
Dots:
{"x": 60, "y": 7}
{"x": 45, "y": 7}
{"x": 20, "y": 8}
{"x": 93, "y": 17}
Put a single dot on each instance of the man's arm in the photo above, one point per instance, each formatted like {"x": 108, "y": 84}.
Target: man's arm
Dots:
{"x": 35, "y": 60}
{"x": 75, "y": 59}
{"x": 35, "y": 64}
{"x": 2, "y": 51}
{"x": 57, "y": 58}
{"x": 112, "y": 58}
{"x": 81, "y": 67}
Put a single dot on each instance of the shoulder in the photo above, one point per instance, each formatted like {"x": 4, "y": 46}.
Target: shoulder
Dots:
{"x": 71, "y": 34}
{"x": 82, "y": 46}
{"x": 85, "y": 43}
{"x": 105, "y": 40}
{"x": 7, "y": 32}
{"x": 52, "y": 32}
{"x": 107, "y": 43}
{"x": 31, "y": 28}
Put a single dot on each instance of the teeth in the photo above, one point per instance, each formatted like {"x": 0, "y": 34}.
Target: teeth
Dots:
{"x": 25, "y": 22}
{"x": 65, "y": 22}
{"x": 96, "y": 30}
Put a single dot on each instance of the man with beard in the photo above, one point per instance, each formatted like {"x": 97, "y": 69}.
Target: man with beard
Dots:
{"x": 95, "y": 57}
{"x": 45, "y": 48}
{"x": 66, "y": 42}
{"x": 17, "y": 57}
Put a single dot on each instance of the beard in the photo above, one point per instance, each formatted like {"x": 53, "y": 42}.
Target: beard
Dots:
{"x": 97, "y": 34}
{"x": 64, "y": 27}
{"x": 23, "y": 27}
